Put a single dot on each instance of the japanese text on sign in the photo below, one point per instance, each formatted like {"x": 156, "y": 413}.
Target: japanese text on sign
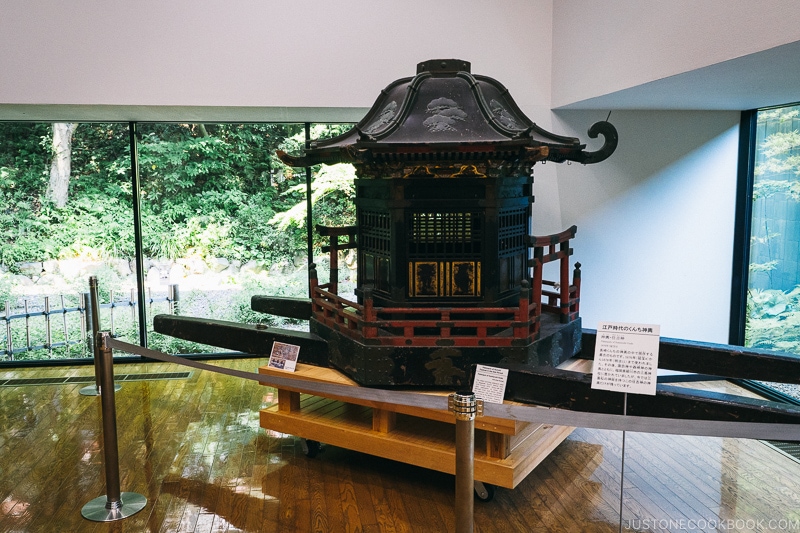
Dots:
{"x": 626, "y": 358}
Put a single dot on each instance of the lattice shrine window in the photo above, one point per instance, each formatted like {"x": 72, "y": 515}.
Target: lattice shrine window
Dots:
{"x": 374, "y": 249}
{"x": 445, "y": 235}
{"x": 375, "y": 232}
{"x": 512, "y": 228}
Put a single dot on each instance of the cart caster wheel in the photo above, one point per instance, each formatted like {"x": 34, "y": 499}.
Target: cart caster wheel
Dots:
{"x": 310, "y": 447}
{"x": 484, "y": 491}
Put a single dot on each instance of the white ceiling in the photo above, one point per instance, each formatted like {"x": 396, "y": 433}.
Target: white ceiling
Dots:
{"x": 763, "y": 79}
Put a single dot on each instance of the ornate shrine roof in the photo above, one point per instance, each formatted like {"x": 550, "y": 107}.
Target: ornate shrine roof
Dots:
{"x": 447, "y": 113}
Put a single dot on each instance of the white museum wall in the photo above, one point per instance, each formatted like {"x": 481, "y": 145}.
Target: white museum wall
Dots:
{"x": 655, "y": 220}
{"x": 603, "y": 47}
{"x": 263, "y": 58}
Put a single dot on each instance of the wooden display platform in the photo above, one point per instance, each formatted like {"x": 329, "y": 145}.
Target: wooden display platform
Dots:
{"x": 505, "y": 450}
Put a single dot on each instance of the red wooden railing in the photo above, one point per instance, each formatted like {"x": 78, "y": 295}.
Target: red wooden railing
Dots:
{"x": 565, "y": 298}
{"x": 454, "y": 326}
{"x": 415, "y": 326}
{"x": 334, "y": 233}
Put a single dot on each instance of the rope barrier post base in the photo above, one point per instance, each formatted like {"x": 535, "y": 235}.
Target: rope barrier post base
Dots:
{"x": 94, "y": 390}
{"x": 101, "y": 510}
{"x": 90, "y": 390}
{"x": 465, "y": 407}
{"x": 114, "y": 505}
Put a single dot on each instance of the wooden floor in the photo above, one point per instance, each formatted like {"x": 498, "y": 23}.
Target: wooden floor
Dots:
{"x": 193, "y": 447}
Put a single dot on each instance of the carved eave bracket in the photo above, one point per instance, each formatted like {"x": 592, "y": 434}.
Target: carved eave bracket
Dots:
{"x": 610, "y": 140}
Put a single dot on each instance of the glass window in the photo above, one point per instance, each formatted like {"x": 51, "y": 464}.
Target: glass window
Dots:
{"x": 224, "y": 219}
{"x": 773, "y": 306}
{"x": 65, "y": 214}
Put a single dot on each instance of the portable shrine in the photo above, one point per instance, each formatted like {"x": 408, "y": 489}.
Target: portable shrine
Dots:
{"x": 449, "y": 274}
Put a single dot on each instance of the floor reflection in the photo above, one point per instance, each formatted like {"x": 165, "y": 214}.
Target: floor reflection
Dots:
{"x": 194, "y": 448}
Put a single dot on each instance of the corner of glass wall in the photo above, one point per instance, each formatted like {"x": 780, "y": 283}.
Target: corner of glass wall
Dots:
{"x": 772, "y": 319}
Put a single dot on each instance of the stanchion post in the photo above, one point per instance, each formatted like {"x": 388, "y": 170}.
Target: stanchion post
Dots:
{"x": 174, "y": 297}
{"x": 9, "y": 343}
{"x": 115, "y": 505}
{"x": 93, "y": 319}
{"x": 465, "y": 407}
{"x": 93, "y": 309}
{"x": 110, "y": 449}
{"x": 86, "y": 321}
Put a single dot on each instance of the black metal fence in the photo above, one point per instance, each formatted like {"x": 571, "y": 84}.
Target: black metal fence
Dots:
{"x": 44, "y": 330}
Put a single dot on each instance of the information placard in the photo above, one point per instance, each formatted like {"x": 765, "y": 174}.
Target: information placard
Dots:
{"x": 283, "y": 356}
{"x": 626, "y": 357}
{"x": 490, "y": 383}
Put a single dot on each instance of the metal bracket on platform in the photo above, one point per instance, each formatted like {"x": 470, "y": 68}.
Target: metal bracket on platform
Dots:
{"x": 465, "y": 405}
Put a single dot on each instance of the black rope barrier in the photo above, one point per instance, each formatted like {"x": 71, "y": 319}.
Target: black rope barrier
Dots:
{"x": 414, "y": 399}
{"x": 525, "y": 413}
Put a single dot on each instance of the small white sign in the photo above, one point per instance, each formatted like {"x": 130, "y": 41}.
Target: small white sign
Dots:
{"x": 490, "y": 383}
{"x": 626, "y": 357}
{"x": 283, "y": 356}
